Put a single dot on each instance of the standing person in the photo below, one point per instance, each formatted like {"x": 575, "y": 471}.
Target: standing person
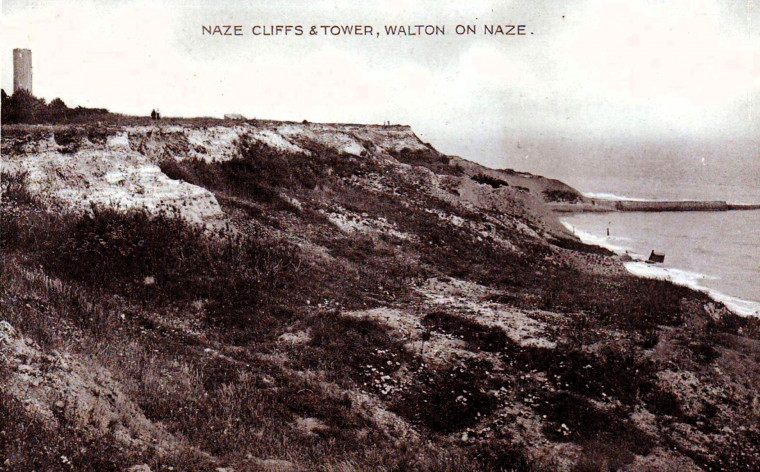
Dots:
{"x": 153, "y": 114}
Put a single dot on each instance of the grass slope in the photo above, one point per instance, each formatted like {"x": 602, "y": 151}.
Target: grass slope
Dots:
{"x": 356, "y": 313}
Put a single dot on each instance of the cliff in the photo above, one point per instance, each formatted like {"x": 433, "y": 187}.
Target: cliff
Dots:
{"x": 264, "y": 295}
{"x": 118, "y": 166}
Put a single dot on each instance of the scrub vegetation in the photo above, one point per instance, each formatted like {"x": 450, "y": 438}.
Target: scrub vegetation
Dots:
{"x": 366, "y": 303}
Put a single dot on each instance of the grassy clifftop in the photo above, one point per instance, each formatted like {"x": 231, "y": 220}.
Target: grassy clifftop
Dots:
{"x": 295, "y": 296}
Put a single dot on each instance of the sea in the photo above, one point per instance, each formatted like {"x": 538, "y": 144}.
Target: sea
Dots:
{"x": 714, "y": 252}
{"x": 717, "y": 252}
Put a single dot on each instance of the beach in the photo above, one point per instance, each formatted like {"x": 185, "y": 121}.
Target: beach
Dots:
{"x": 714, "y": 252}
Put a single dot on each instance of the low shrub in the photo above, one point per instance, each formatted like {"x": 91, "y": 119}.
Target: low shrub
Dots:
{"x": 352, "y": 350}
{"x": 648, "y": 339}
{"x": 702, "y": 350}
{"x": 68, "y": 138}
{"x": 14, "y": 188}
{"x": 448, "y": 399}
{"x": 29, "y": 444}
{"x": 502, "y": 456}
{"x": 259, "y": 172}
{"x": 488, "y": 180}
{"x": 607, "y": 436}
{"x": 477, "y": 336}
{"x": 622, "y": 300}
{"x": 734, "y": 324}
{"x": 430, "y": 158}
{"x": 244, "y": 281}
{"x": 241, "y": 413}
{"x": 662, "y": 402}
{"x": 574, "y": 245}
{"x": 613, "y": 372}
{"x": 565, "y": 196}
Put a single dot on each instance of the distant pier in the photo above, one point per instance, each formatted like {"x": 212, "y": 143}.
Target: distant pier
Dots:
{"x": 648, "y": 206}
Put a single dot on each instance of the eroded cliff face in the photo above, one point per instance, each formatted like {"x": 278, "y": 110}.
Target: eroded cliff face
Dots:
{"x": 362, "y": 302}
{"x": 118, "y": 167}
{"x": 78, "y": 174}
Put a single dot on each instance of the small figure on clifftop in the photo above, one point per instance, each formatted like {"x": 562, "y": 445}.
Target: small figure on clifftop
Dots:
{"x": 153, "y": 114}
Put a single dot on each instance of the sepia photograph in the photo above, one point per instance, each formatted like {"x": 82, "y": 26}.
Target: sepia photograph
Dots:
{"x": 293, "y": 236}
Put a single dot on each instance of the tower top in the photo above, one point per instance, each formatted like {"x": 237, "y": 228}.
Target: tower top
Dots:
{"x": 22, "y": 69}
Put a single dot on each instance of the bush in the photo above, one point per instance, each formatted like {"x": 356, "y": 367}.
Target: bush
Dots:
{"x": 28, "y": 444}
{"x": 449, "y": 399}
{"x": 478, "y": 336}
{"x": 430, "y": 158}
{"x": 257, "y": 174}
{"x": 663, "y": 402}
{"x": 488, "y": 180}
{"x": 608, "y": 438}
{"x": 162, "y": 260}
{"x": 14, "y": 188}
{"x": 503, "y": 457}
{"x": 23, "y": 107}
{"x": 565, "y": 196}
{"x": 352, "y": 349}
{"x": 734, "y": 324}
{"x": 574, "y": 245}
{"x": 622, "y": 300}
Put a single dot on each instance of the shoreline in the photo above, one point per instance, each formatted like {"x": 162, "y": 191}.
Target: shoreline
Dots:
{"x": 639, "y": 267}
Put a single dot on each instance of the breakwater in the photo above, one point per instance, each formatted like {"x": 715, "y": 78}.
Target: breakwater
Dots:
{"x": 635, "y": 205}
{"x": 648, "y": 206}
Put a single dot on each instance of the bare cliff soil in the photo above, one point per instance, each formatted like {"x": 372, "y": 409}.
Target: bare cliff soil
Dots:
{"x": 206, "y": 295}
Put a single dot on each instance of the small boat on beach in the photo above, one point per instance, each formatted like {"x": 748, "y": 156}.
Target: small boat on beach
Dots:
{"x": 655, "y": 258}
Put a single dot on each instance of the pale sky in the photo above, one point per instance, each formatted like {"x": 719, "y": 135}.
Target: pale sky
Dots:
{"x": 592, "y": 70}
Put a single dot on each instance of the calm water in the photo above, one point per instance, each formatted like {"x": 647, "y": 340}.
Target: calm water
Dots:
{"x": 718, "y": 252}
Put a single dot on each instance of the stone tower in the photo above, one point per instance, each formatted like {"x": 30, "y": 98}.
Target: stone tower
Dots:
{"x": 22, "y": 70}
